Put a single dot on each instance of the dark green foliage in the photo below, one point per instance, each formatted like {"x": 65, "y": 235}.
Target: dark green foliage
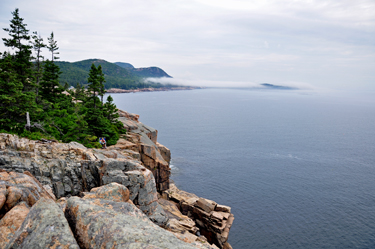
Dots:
{"x": 34, "y": 87}
{"x": 50, "y": 88}
{"x": 52, "y": 47}
{"x": 145, "y": 72}
{"x": 124, "y": 65}
{"x": 110, "y": 110}
{"x": 19, "y": 40}
{"x": 17, "y": 77}
{"x": 79, "y": 93}
{"x": 116, "y": 76}
{"x": 13, "y": 101}
{"x": 94, "y": 84}
{"x": 99, "y": 116}
{"x": 38, "y": 45}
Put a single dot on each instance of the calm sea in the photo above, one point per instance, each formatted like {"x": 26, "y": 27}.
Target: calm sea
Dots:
{"x": 297, "y": 168}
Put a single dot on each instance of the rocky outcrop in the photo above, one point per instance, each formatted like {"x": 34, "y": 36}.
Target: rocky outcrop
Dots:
{"x": 112, "y": 191}
{"x": 16, "y": 187}
{"x": 153, "y": 155}
{"x": 45, "y": 226}
{"x": 100, "y": 223}
{"x": 130, "y": 172}
{"x": 12, "y": 220}
{"x": 105, "y": 217}
{"x": 70, "y": 169}
{"x": 209, "y": 218}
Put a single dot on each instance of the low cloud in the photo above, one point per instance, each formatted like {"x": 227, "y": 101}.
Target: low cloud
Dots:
{"x": 227, "y": 84}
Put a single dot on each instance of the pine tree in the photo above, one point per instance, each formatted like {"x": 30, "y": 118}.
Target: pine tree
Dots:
{"x": 79, "y": 93}
{"x": 94, "y": 84}
{"x": 101, "y": 80}
{"x": 19, "y": 40}
{"x": 14, "y": 103}
{"x": 50, "y": 88}
{"x": 17, "y": 80}
{"x": 52, "y": 47}
{"x": 110, "y": 110}
{"x": 38, "y": 45}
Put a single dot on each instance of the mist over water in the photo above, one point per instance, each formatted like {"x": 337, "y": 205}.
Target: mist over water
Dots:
{"x": 296, "y": 167}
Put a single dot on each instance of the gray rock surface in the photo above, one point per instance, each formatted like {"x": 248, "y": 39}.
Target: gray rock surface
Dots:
{"x": 44, "y": 227}
{"x": 101, "y": 223}
{"x": 70, "y": 169}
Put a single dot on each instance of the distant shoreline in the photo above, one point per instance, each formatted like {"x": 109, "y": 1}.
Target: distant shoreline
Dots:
{"x": 118, "y": 90}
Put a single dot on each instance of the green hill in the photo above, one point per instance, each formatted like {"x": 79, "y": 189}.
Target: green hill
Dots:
{"x": 145, "y": 72}
{"x": 124, "y": 65}
{"x": 117, "y": 75}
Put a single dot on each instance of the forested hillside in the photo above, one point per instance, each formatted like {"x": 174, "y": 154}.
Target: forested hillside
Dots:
{"x": 34, "y": 103}
{"x": 144, "y": 72}
{"x": 118, "y": 75}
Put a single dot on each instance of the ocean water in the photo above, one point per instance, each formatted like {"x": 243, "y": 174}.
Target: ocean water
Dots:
{"x": 297, "y": 168}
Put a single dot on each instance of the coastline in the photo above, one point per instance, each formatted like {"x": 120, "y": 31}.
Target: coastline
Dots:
{"x": 131, "y": 176}
{"x": 118, "y": 90}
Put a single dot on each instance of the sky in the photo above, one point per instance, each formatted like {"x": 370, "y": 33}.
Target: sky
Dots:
{"x": 309, "y": 44}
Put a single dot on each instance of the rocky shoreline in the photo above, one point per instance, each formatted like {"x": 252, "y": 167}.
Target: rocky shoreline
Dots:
{"x": 56, "y": 195}
{"x": 150, "y": 89}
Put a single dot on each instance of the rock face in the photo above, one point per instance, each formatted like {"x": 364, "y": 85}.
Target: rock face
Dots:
{"x": 100, "y": 223}
{"x": 122, "y": 180}
{"x": 45, "y": 226}
{"x": 10, "y": 223}
{"x": 16, "y": 187}
{"x": 209, "y": 218}
{"x": 70, "y": 169}
{"x": 154, "y": 156}
{"x": 104, "y": 218}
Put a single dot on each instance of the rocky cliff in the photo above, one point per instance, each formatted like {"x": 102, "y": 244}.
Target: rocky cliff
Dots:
{"x": 93, "y": 211}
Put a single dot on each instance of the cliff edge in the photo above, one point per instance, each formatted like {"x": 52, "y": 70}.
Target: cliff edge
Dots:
{"x": 41, "y": 179}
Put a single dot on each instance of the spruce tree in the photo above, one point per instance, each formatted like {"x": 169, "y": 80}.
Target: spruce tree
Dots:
{"x": 17, "y": 81}
{"x": 52, "y": 47}
{"x": 38, "y": 45}
{"x": 94, "y": 84}
{"x": 101, "y": 80}
{"x": 110, "y": 110}
{"x": 50, "y": 88}
{"x": 19, "y": 40}
{"x": 14, "y": 103}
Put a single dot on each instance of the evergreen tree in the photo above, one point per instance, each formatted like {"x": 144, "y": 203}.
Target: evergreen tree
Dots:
{"x": 19, "y": 40}
{"x": 101, "y": 80}
{"x": 79, "y": 93}
{"x": 94, "y": 84}
{"x": 38, "y": 45}
{"x": 61, "y": 117}
{"x": 50, "y": 88}
{"x": 14, "y": 103}
{"x": 17, "y": 83}
{"x": 52, "y": 47}
{"x": 110, "y": 110}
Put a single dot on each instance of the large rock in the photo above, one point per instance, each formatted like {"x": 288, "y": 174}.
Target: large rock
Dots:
{"x": 153, "y": 155}
{"x": 44, "y": 227}
{"x": 178, "y": 222}
{"x": 101, "y": 223}
{"x": 139, "y": 181}
{"x": 113, "y": 191}
{"x": 213, "y": 220}
{"x": 70, "y": 169}
{"x": 17, "y": 187}
{"x": 10, "y": 223}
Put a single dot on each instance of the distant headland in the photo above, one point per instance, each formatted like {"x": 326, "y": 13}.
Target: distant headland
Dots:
{"x": 119, "y": 75}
